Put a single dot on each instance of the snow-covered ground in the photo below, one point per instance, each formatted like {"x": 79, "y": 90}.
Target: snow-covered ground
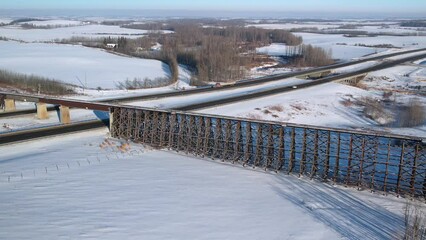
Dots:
{"x": 321, "y": 105}
{"x": 369, "y": 27}
{"x": 399, "y": 78}
{"x": 318, "y": 39}
{"x": 5, "y": 20}
{"x": 81, "y": 66}
{"x": 317, "y": 105}
{"x": 174, "y": 102}
{"x": 288, "y": 26}
{"x": 275, "y": 49}
{"x": 56, "y": 23}
{"x": 344, "y": 47}
{"x": 81, "y": 186}
{"x": 341, "y": 52}
{"x": 391, "y": 29}
{"x": 267, "y": 70}
{"x": 31, "y": 121}
{"x": 355, "y": 67}
{"x": 48, "y": 35}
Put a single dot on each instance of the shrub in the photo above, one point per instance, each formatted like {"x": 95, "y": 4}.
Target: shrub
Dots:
{"x": 277, "y": 108}
{"x": 254, "y": 116}
{"x": 415, "y": 223}
{"x": 34, "y": 84}
{"x": 138, "y": 83}
{"x": 375, "y": 110}
{"x": 412, "y": 115}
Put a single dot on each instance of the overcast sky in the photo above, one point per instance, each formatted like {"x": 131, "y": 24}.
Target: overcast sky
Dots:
{"x": 227, "y": 5}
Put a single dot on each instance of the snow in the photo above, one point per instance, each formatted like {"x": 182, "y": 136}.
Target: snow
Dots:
{"x": 342, "y": 52}
{"x": 288, "y": 26}
{"x": 348, "y": 51}
{"x": 399, "y": 78}
{"x": 99, "y": 95}
{"x": 275, "y": 49}
{"x": 406, "y": 55}
{"x": 5, "y": 20}
{"x": 56, "y": 23}
{"x": 370, "y": 27}
{"x": 321, "y": 105}
{"x": 266, "y": 70}
{"x": 81, "y": 66}
{"x": 355, "y": 67}
{"x": 52, "y": 191}
{"x": 184, "y": 78}
{"x": 30, "y": 121}
{"x": 174, "y": 102}
{"x": 421, "y": 61}
{"x": 48, "y": 35}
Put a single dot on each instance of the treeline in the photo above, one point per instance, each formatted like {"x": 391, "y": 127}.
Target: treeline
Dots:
{"x": 310, "y": 56}
{"x": 34, "y": 84}
{"x": 414, "y": 23}
{"x": 218, "y": 54}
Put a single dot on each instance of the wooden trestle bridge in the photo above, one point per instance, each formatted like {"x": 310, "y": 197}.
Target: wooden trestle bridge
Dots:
{"x": 368, "y": 160}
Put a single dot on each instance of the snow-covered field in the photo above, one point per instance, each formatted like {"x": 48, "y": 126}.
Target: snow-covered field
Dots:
{"x": 81, "y": 66}
{"x": 318, "y": 105}
{"x": 275, "y": 49}
{"x": 80, "y": 186}
{"x": 400, "y": 78}
{"x": 318, "y": 39}
{"x": 344, "y": 47}
{"x": 48, "y": 35}
{"x": 5, "y": 20}
{"x": 56, "y": 23}
{"x": 369, "y": 27}
{"x": 341, "y": 52}
{"x": 321, "y": 105}
{"x": 87, "y": 186}
{"x": 289, "y": 26}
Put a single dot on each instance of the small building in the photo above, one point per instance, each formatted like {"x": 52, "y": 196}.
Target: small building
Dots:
{"x": 111, "y": 45}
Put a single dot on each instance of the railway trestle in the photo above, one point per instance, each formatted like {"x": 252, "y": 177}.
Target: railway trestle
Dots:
{"x": 367, "y": 160}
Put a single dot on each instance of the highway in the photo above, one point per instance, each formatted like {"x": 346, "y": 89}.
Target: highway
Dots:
{"x": 246, "y": 96}
{"x": 33, "y": 133}
{"x": 239, "y": 84}
{"x": 28, "y": 134}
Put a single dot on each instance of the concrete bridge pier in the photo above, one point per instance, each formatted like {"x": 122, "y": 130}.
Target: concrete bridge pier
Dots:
{"x": 9, "y": 105}
{"x": 64, "y": 113}
{"x": 42, "y": 111}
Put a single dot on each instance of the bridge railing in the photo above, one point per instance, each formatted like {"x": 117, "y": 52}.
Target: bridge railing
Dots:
{"x": 389, "y": 163}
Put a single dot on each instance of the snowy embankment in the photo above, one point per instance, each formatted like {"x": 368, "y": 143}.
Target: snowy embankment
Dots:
{"x": 51, "y": 191}
{"x": 77, "y": 65}
{"x": 174, "y": 102}
{"x": 322, "y": 105}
